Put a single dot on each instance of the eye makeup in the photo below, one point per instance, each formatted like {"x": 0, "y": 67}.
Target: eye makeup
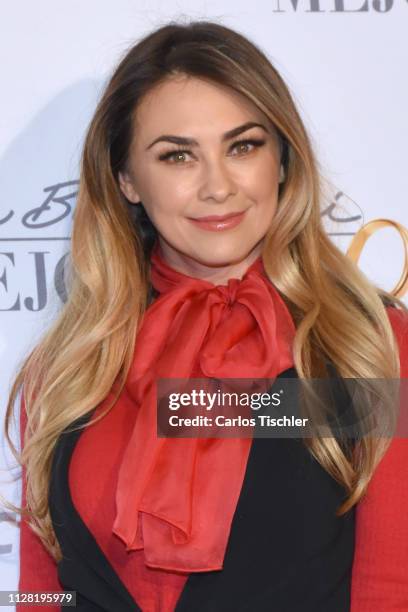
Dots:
{"x": 255, "y": 142}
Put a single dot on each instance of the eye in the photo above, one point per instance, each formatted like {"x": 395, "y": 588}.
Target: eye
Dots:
{"x": 175, "y": 157}
{"x": 243, "y": 147}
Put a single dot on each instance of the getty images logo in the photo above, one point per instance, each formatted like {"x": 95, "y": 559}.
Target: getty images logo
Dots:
{"x": 333, "y": 6}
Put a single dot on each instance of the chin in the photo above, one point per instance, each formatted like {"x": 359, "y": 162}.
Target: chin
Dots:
{"x": 221, "y": 257}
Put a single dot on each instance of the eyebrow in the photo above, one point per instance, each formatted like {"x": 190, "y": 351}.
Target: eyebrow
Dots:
{"x": 183, "y": 140}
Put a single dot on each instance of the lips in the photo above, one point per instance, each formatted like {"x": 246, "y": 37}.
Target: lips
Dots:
{"x": 217, "y": 223}
{"x": 219, "y": 217}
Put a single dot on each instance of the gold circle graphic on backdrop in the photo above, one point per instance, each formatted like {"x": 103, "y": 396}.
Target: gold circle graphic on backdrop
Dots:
{"x": 363, "y": 234}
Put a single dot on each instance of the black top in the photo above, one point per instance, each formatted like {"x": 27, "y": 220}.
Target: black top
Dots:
{"x": 287, "y": 550}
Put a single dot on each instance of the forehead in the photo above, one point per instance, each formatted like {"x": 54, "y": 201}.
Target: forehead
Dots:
{"x": 192, "y": 106}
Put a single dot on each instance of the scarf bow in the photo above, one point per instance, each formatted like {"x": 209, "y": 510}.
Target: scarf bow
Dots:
{"x": 176, "y": 497}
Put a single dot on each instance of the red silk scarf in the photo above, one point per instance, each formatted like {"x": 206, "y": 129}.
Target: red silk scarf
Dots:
{"x": 176, "y": 497}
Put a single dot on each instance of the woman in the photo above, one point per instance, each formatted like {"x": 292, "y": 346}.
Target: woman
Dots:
{"x": 198, "y": 251}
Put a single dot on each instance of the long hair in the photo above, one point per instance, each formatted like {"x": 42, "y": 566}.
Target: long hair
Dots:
{"x": 87, "y": 351}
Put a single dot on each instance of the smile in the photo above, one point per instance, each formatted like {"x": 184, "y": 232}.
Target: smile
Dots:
{"x": 213, "y": 224}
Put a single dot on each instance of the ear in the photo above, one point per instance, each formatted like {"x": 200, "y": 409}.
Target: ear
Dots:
{"x": 127, "y": 188}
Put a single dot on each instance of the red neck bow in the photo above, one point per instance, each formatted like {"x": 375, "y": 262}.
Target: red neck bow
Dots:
{"x": 176, "y": 497}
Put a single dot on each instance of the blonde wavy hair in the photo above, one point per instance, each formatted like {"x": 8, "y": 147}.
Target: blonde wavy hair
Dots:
{"x": 87, "y": 352}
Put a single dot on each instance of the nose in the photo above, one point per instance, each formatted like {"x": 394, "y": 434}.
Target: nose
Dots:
{"x": 216, "y": 182}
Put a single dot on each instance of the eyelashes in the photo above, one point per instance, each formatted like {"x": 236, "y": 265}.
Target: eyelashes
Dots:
{"x": 171, "y": 155}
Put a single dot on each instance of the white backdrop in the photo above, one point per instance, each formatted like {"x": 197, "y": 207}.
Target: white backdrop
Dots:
{"x": 345, "y": 62}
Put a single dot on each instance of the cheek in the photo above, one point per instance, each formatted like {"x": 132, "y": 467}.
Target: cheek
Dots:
{"x": 164, "y": 200}
{"x": 260, "y": 182}
{"x": 168, "y": 187}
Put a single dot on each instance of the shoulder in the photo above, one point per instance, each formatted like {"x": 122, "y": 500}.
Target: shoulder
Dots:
{"x": 399, "y": 322}
{"x": 398, "y": 319}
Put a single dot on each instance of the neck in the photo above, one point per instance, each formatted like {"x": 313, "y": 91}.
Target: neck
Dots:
{"x": 218, "y": 274}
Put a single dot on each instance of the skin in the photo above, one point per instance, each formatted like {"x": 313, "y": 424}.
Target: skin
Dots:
{"x": 213, "y": 177}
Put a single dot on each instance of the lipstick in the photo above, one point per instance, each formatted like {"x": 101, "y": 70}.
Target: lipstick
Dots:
{"x": 218, "y": 223}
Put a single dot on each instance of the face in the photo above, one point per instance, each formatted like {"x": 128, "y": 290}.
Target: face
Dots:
{"x": 202, "y": 150}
